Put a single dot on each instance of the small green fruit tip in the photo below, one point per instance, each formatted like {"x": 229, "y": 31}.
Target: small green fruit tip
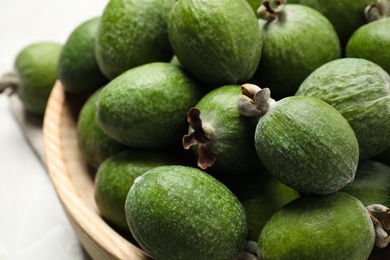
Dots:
{"x": 9, "y": 82}
{"x": 201, "y": 136}
{"x": 382, "y": 238}
{"x": 376, "y": 11}
{"x": 268, "y": 13}
{"x": 254, "y": 101}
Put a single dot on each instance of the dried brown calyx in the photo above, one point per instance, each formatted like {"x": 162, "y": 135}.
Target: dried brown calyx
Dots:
{"x": 382, "y": 239}
{"x": 254, "y": 101}
{"x": 249, "y": 252}
{"x": 202, "y": 137}
{"x": 266, "y": 11}
{"x": 9, "y": 82}
{"x": 376, "y": 11}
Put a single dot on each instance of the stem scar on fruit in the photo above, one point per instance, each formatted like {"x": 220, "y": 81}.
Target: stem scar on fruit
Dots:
{"x": 266, "y": 12}
{"x": 382, "y": 239}
{"x": 201, "y": 137}
{"x": 254, "y": 101}
{"x": 10, "y": 82}
{"x": 378, "y": 10}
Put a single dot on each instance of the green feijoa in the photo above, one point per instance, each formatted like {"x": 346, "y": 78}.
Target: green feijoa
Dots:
{"x": 181, "y": 212}
{"x": 303, "y": 141}
{"x": 146, "y": 106}
{"x": 218, "y": 42}
{"x": 116, "y": 175}
{"x": 77, "y": 68}
{"x": 372, "y": 187}
{"x": 132, "y": 33}
{"x": 371, "y": 42}
{"x": 34, "y": 75}
{"x": 255, "y": 4}
{"x": 262, "y": 195}
{"x": 175, "y": 61}
{"x": 334, "y": 226}
{"x": 345, "y": 15}
{"x": 220, "y": 136}
{"x": 297, "y": 39}
{"x": 371, "y": 184}
{"x": 95, "y": 145}
{"x": 359, "y": 90}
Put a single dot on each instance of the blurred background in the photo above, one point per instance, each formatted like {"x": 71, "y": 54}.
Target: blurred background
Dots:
{"x": 33, "y": 224}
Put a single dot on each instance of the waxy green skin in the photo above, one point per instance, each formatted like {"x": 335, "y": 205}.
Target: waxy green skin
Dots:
{"x": 116, "y": 175}
{"x": 262, "y": 195}
{"x": 231, "y": 134}
{"x": 359, "y": 90}
{"x": 294, "y": 48}
{"x": 371, "y": 42}
{"x": 77, "y": 68}
{"x": 178, "y": 212}
{"x": 335, "y": 226}
{"x": 308, "y": 145}
{"x": 218, "y": 42}
{"x": 371, "y": 184}
{"x": 132, "y": 33}
{"x": 255, "y": 4}
{"x": 94, "y": 144}
{"x": 147, "y": 106}
{"x": 36, "y": 66}
{"x": 345, "y": 15}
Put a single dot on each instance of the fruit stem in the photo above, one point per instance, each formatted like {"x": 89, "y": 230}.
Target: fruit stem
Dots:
{"x": 250, "y": 247}
{"x": 201, "y": 136}
{"x": 249, "y": 252}
{"x": 376, "y": 11}
{"x": 254, "y": 101}
{"x": 382, "y": 239}
{"x": 10, "y": 82}
{"x": 266, "y": 12}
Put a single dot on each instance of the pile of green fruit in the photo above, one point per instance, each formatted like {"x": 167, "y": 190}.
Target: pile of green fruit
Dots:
{"x": 231, "y": 129}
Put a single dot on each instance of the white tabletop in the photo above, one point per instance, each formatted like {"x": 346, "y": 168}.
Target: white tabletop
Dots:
{"x": 33, "y": 224}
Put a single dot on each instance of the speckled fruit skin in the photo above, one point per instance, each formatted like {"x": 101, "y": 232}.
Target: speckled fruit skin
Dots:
{"x": 294, "y": 48}
{"x": 345, "y": 15}
{"x": 231, "y": 133}
{"x": 147, "y": 106}
{"x": 308, "y": 145}
{"x": 179, "y": 212}
{"x": 359, "y": 90}
{"x": 36, "y": 65}
{"x": 132, "y": 33}
{"x": 371, "y": 42}
{"x": 77, "y": 68}
{"x": 262, "y": 195}
{"x": 371, "y": 184}
{"x": 95, "y": 145}
{"x": 335, "y": 226}
{"x": 218, "y": 42}
{"x": 116, "y": 175}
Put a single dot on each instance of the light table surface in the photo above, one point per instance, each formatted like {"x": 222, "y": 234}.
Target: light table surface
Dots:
{"x": 33, "y": 224}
